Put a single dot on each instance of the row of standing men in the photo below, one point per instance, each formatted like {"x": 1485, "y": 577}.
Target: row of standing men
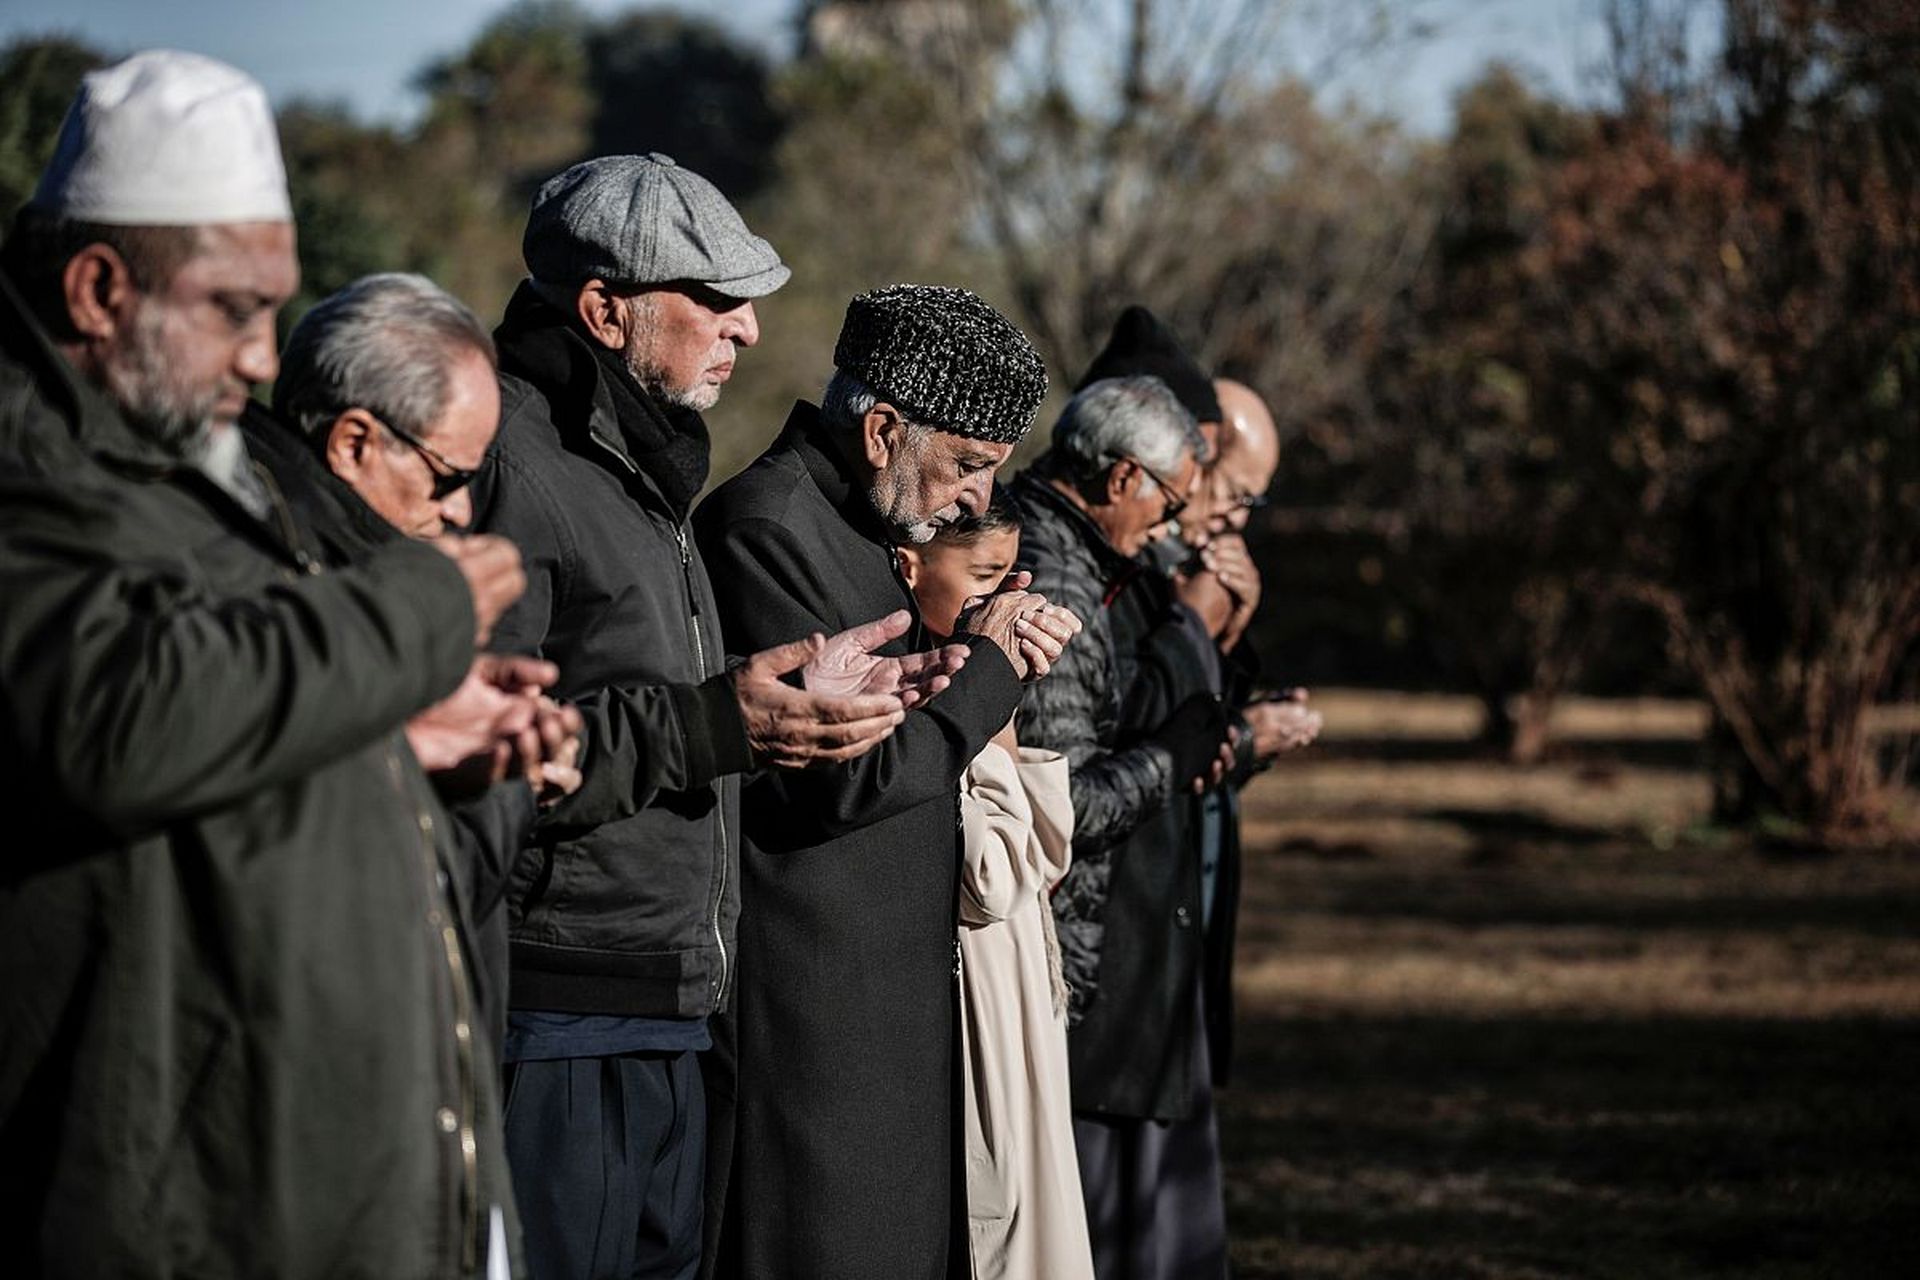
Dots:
{"x": 326, "y": 808}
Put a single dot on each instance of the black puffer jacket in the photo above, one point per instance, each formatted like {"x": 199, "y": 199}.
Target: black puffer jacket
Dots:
{"x": 627, "y": 902}
{"x": 1131, "y": 928}
{"x": 1077, "y": 710}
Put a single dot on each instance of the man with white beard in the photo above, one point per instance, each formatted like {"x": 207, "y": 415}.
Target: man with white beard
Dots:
{"x": 622, "y": 911}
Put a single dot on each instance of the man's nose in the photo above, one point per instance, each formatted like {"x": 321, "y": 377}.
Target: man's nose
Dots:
{"x": 457, "y": 508}
{"x": 257, "y": 360}
{"x": 977, "y": 493}
{"x": 743, "y": 325}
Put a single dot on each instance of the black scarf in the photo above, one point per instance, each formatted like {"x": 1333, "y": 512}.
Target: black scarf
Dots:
{"x": 669, "y": 443}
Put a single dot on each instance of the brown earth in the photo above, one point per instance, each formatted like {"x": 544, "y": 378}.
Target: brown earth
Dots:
{"x": 1543, "y": 1022}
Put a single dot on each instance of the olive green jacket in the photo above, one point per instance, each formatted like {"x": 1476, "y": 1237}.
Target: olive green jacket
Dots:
{"x": 235, "y": 1028}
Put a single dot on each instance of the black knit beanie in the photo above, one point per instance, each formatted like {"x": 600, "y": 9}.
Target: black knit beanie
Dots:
{"x": 1141, "y": 344}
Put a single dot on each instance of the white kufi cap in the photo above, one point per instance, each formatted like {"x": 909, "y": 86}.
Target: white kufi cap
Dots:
{"x": 167, "y": 139}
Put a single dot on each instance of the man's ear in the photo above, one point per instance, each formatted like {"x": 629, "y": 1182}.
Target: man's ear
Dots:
{"x": 881, "y": 433}
{"x": 911, "y": 565}
{"x": 1123, "y": 480}
{"x": 349, "y": 442}
{"x": 604, "y": 315}
{"x": 99, "y": 293}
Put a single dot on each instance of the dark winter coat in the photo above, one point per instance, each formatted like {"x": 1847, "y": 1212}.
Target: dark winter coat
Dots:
{"x": 846, "y": 1147}
{"x": 488, "y": 829}
{"x": 1129, "y": 912}
{"x": 627, "y": 901}
{"x": 235, "y": 1023}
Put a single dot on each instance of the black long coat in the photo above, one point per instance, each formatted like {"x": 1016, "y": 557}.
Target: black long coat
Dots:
{"x": 842, "y": 1027}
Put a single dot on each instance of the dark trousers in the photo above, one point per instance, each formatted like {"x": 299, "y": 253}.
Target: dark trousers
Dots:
{"x": 608, "y": 1159}
{"x": 1155, "y": 1208}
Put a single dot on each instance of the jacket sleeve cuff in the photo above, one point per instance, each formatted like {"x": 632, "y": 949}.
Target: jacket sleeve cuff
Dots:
{"x": 716, "y": 735}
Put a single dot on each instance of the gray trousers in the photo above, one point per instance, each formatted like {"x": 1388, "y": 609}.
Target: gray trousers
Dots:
{"x": 1155, "y": 1207}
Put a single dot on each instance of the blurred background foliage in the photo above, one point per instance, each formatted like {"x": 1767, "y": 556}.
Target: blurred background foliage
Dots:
{"x": 1612, "y": 395}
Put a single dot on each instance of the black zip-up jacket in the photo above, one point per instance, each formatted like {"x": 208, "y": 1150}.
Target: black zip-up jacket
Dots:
{"x": 627, "y": 901}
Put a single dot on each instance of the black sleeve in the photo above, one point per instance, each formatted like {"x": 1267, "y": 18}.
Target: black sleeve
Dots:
{"x": 770, "y": 593}
{"x": 142, "y": 698}
{"x": 640, "y": 740}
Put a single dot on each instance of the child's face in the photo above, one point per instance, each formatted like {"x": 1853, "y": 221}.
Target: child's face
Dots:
{"x": 944, "y": 574}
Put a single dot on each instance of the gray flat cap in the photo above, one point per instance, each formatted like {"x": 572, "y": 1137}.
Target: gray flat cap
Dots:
{"x": 645, "y": 220}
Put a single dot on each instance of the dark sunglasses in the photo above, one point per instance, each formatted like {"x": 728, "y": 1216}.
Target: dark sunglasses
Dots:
{"x": 447, "y": 478}
{"x": 1173, "y": 502}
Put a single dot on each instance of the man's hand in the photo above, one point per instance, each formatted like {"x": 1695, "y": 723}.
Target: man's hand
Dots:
{"x": 557, "y": 774}
{"x": 848, "y": 665}
{"x": 482, "y": 720}
{"x": 495, "y": 578}
{"x": 1282, "y": 724}
{"x": 1044, "y": 634}
{"x": 791, "y": 728}
{"x": 1208, "y": 597}
{"x": 997, "y": 618}
{"x": 1227, "y": 559}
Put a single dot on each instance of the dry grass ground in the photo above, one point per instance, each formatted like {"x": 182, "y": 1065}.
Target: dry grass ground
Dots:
{"x": 1500, "y": 1023}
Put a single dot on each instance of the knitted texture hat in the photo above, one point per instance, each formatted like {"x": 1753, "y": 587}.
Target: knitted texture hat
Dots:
{"x": 944, "y": 358}
{"x": 1141, "y": 344}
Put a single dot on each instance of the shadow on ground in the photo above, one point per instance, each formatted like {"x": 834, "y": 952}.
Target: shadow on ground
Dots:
{"x": 1429, "y": 1146}
{"x": 1479, "y": 1040}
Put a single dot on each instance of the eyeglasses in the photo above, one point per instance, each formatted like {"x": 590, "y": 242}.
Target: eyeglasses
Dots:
{"x": 1174, "y": 502}
{"x": 447, "y": 478}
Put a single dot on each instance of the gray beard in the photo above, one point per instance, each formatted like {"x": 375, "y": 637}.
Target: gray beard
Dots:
{"x": 140, "y": 382}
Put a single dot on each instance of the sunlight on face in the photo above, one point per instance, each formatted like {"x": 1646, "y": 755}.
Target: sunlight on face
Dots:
{"x": 184, "y": 364}
{"x": 947, "y": 570}
{"x": 933, "y": 481}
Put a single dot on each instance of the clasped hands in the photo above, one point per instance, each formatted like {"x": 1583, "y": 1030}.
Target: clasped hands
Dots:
{"x": 498, "y": 724}
{"x": 851, "y": 698}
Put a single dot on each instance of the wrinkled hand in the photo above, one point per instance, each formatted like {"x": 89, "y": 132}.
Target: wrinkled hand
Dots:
{"x": 1044, "y": 634}
{"x": 847, "y": 664}
{"x": 1208, "y": 597}
{"x": 482, "y": 721}
{"x": 998, "y": 617}
{"x": 557, "y": 774}
{"x": 1282, "y": 724}
{"x": 791, "y": 728}
{"x": 1228, "y": 559}
{"x": 495, "y": 578}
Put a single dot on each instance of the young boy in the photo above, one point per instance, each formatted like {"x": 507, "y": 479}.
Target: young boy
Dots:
{"x": 1023, "y": 1180}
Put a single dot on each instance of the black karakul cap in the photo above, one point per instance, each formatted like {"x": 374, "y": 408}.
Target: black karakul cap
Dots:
{"x": 944, "y": 358}
{"x": 1142, "y": 344}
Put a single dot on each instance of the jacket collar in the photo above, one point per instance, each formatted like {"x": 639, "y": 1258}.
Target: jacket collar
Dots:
{"x": 592, "y": 414}
{"x": 97, "y": 425}
{"x": 1035, "y": 491}
{"x": 806, "y": 436}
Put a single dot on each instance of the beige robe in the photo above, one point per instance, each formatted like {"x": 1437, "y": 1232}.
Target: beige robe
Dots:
{"x": 1027, "y": 1219}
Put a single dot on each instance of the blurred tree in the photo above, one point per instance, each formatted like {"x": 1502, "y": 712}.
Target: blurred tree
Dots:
{"x": 1503, "y": 566}
{"x": 38, "y": 78}
{"x": 1736, "y": 373}
{"x": 665, "y": 82}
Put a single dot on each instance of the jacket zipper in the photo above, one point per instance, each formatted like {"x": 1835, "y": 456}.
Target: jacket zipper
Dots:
{"x": 458, "y": 1124}
{"x": 700, "y": 660}
{"x": 720, "y": 813}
